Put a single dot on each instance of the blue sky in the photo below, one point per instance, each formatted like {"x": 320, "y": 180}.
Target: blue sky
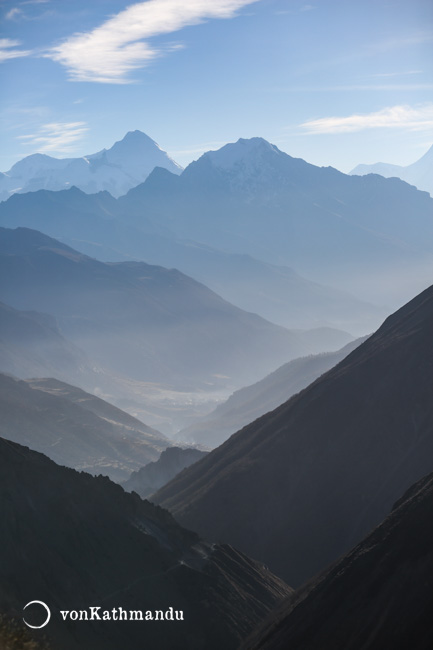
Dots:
{"x": 336, "y": 82}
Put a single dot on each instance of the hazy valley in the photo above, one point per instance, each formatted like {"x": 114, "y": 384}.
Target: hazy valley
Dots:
{"x": 246, "y": 343}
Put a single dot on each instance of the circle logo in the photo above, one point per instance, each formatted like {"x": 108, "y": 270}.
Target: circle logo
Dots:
{"x": 38, "y": 602}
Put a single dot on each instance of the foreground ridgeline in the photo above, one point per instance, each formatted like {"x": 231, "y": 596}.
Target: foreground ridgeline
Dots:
{"x": 378, "y": 596}
{"x": 301, "y": 485}
{"x": 115, "y": 571}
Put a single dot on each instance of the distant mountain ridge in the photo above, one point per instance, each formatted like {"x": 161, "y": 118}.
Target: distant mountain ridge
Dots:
{"x": 126, "y": 164}
{"x": 100, "y": 226}
{"x": 251, "y": 198}
{"x": 147, "y": 322}
{"x": 419, "y": 173}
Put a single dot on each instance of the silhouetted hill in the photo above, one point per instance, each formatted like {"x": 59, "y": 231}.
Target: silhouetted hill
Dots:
{"x": 147, "y": 322}
{"x": 302, "y": 484}
{"x": 154, "y": 475}
{"x": 379, "y": 595}
{"x": 250, "y": 402}
{"x": 74, "y": 541}
{"x": 75, "y": 428}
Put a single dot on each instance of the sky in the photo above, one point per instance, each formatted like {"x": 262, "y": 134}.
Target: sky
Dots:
{"x": 336, "y": 82}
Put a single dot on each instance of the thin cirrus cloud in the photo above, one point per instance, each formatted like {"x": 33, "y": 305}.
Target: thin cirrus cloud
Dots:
{"x": 13, "y": 13}
{"x": 56, "y": 136}
{"x": 110, "y": 52}
{"x": 418, "y": 118}
{"x": 8, "y": 49}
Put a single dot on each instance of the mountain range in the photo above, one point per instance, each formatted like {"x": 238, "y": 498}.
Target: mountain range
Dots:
{"x": 249, "y": 197}
{"x": 145, "y": 322}
{"x": 249, "y": 210}
{"x": 419, "y": 173}
{"x": 74, "y": 541}
{"x": 326, "y": 466}
{"x": 98, "y": 225}
{"x": 126, "y": 164}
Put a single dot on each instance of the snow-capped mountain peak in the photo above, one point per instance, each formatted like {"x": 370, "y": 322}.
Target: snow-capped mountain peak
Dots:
{"x": 126, "y": 164}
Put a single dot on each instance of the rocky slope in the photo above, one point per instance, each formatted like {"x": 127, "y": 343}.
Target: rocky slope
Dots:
{"x": 75, "y": 541}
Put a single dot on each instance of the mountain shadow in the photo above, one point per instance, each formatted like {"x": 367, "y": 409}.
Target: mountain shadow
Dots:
{"x": 379, "y": 595}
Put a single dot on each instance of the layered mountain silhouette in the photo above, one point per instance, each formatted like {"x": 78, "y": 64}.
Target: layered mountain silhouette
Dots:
{"x": 419, "y": 173}
{"x": 126, "y": 164}
{"x": 379, "y": 595}
{"x": 250, "y": 197}
{"x": 146, "y": 322}
{"x": 301, "y": 485}
{"x": 250, "y": 402}
{"x": 154, "y": 475}
{"x": 74, "y": 542}
{"x": 75, "y": 428}
{"x": 99, "y": 226}
{"x": 31, "y": 345}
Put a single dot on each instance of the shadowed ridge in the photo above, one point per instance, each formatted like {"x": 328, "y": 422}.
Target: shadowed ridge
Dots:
{"x": 379, "y": 595}
{"x": 302, "y": 484}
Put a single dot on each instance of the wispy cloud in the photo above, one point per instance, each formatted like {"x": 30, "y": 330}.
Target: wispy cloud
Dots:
{"x": 396, "y": 74}
{"x": 110, "y": 52}
{"x": 417, "y": 118}
{"x": 56, "y": 136}
{"x": 8, "y": 49}
{"x": 13, "y": 13}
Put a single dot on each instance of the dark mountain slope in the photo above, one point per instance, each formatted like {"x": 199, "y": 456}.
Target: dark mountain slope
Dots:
{"x": 146, "y": 322}
{"x": 250, "y": 402}
{"x": 75, "y": 541}
{"x": 380, "y": 595}
{"x": 301, "y": 485}
{"x": 87, "y": 434}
